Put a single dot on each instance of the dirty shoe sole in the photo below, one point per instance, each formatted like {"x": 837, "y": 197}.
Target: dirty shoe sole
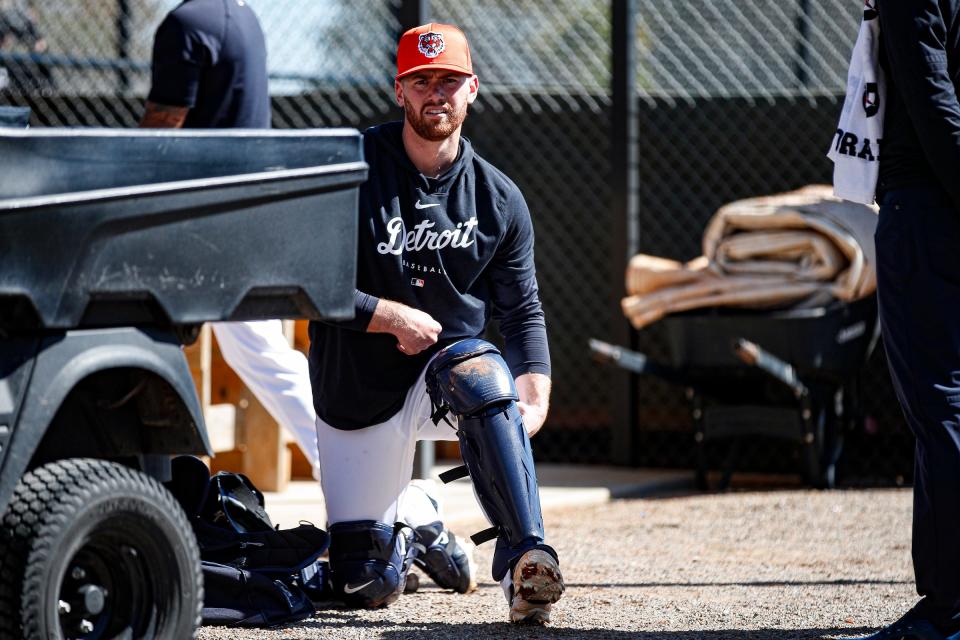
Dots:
{"x": 537, "y": 584}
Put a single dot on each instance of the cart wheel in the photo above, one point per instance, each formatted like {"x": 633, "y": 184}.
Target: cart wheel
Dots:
{"x": 829, "y": 478}
{"x": 94, "y": 549}
{"x": 821, "y": 455}
{"x": 811, "y": 465}
{"x": 831, "y": 455}
{"x": 702, "y": 483}
{"x": 701, "y": 475}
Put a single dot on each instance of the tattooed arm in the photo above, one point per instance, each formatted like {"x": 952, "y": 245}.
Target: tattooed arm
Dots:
{"x": 162, "y": 116}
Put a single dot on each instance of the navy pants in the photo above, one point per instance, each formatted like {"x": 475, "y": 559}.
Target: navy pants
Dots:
{"x": 918, "y": 280}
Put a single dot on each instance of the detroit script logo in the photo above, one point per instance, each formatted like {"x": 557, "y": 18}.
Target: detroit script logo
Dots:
{"x": 422, "y": 236}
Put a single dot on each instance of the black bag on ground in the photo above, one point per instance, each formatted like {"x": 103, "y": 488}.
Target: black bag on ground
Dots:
{"x": 241, "y": 598}
{"x": 254, "y": 573}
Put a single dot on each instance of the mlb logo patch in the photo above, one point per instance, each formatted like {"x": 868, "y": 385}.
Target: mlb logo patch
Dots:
{"x": 417, "y": 282}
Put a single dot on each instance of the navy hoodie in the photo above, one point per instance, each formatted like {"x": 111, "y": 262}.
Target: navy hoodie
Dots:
{"x": 459, "y": 247}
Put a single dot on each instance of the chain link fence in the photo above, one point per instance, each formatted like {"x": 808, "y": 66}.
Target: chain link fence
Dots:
{"x": 739, "y": 99}
{"x": 734, "y": 99}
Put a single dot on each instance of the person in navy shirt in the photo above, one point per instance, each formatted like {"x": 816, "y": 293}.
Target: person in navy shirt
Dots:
{"x": 209, "y": 68}
{"x": 918, "y": 287}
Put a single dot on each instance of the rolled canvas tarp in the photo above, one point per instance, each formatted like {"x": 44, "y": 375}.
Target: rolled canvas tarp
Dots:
{"x": 804, "y": 246}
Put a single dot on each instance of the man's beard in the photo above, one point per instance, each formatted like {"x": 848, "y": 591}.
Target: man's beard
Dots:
{"x": 434, "y": 131}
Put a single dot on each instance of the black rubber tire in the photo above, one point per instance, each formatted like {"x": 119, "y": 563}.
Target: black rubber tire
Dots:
{"x": 119, "y": 531}
{"x": 820, "y": 456}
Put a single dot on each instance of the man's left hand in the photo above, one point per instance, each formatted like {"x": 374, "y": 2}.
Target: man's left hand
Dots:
{"x": 533, "y": 417}
{"x": 534, "y": 392}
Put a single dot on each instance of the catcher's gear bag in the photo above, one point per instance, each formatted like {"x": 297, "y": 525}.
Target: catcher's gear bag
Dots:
{"x": 238, "y": 597}
{"x": 254, "y": 575}
{"x": 369, "y": 561}
{"x": 471, "y": 380}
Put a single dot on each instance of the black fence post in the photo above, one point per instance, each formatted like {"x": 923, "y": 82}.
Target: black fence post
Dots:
{"x": 412, "y": 13}
{"x": 802, "y": 61}
{"x": 624, "y": 236}
{"x": 123, "y": 42}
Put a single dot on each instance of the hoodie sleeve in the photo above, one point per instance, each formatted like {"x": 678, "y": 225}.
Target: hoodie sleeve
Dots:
{"x": 364, "y": 305}
{"x": 515, "y": 295}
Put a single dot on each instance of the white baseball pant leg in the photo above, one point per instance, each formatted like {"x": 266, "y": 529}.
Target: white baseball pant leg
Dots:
{"x": 277, "y": 374}
{"x": 365, "y": 472}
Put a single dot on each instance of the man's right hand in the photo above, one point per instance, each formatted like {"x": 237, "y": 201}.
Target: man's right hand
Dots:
{"x": 415, "y": 330}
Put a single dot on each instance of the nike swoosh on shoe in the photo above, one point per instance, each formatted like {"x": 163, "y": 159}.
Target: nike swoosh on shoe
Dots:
{"x": 348, "y": 589}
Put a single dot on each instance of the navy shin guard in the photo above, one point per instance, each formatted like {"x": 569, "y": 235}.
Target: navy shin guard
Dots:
{"x": 471, "y": 380}
{"x": 496, "y": 450}
{"x": 369, "y": 561}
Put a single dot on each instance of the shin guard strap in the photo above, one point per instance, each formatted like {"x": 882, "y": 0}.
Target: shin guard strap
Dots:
{"x": 456, "y": 473}
{"x": 486, "y": 535}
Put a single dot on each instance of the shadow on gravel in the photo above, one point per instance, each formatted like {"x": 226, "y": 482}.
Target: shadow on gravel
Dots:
{"x": 758, "y": 583}
{"x": 503, "y": 630}
{"x": 508, "y": 631}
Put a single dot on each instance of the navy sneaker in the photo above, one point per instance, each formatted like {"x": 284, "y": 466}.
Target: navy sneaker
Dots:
{"x": 447, "y": 560}
{"x": 912, "y": 626}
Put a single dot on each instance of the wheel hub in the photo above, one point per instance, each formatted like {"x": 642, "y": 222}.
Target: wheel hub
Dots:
{"x": 104, "y": 589}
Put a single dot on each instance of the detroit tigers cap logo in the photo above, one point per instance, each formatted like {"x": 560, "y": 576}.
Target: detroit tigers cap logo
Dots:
{"x": 431, "y": 44}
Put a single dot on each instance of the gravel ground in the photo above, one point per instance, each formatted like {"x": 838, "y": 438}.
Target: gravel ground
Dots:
{"x": 777, "y": 564}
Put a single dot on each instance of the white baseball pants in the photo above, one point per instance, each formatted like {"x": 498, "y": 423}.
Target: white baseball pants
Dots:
{"x": 364, "y": 472}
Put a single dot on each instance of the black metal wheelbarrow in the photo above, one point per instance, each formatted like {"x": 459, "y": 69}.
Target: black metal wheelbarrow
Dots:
{"x": 791, "y": 374}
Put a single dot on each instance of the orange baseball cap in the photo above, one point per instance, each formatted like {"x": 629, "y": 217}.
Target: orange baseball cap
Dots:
{"x": 433, "y": 46}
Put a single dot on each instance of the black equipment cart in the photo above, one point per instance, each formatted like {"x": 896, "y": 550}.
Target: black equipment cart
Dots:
{"x": 114, "y": 247}
{"x": 790, "y": 374}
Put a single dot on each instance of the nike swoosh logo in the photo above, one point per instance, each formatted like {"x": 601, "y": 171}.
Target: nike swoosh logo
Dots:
{"x": 425, "y": 206}
{"x": 347, "y": 589}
